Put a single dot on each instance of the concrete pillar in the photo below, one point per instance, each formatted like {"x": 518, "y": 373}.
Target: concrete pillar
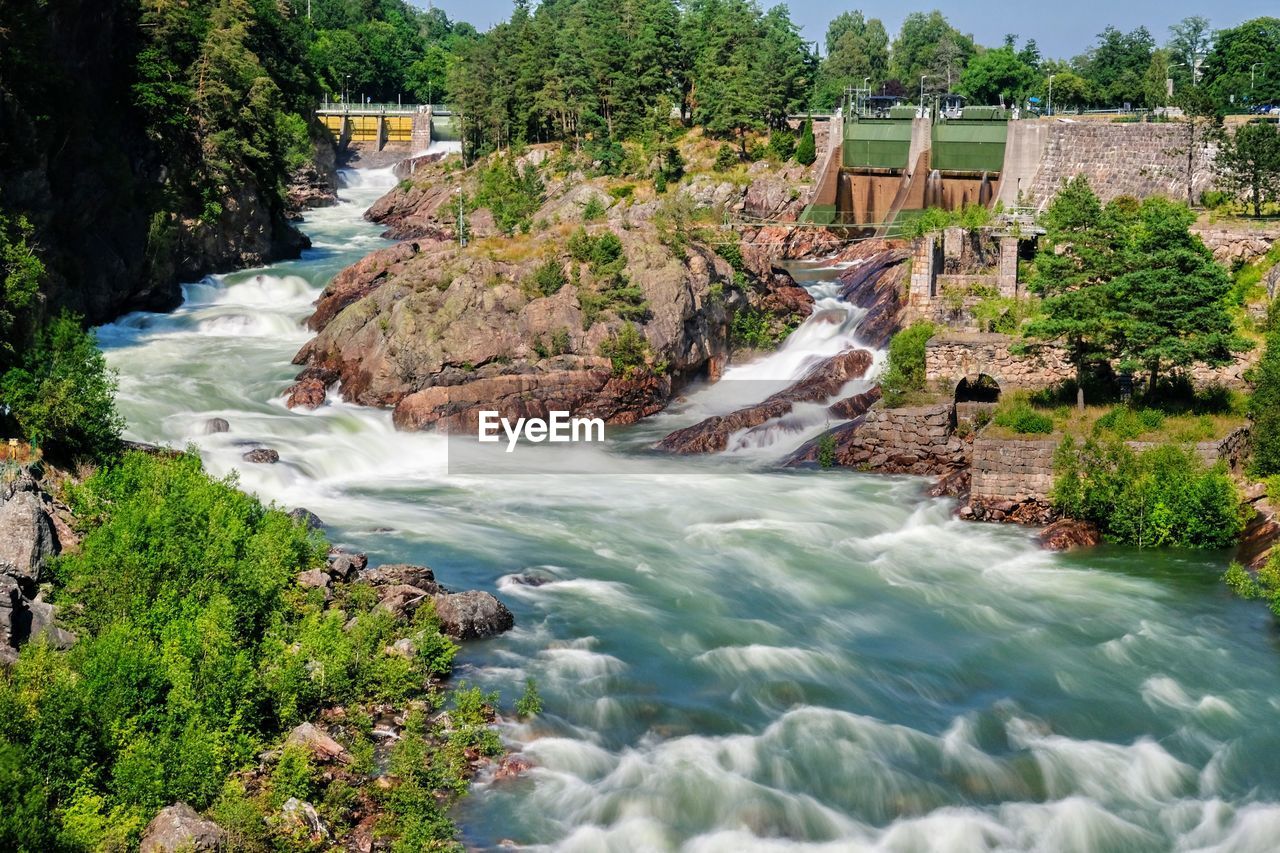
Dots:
{"x": 953, "y": 242}
{"x": 344, "y": 136}
{"x": 1007, "y": 271}
{"x": 421, "y": 134}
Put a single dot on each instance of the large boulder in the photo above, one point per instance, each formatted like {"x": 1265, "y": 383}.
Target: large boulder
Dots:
{"x": 26, "y": 536}
{"x": 1068, "y": 534}
{"x": 472, "y": 615}
{"x": 322, "y": 747}
{"x": 180, "y": 828}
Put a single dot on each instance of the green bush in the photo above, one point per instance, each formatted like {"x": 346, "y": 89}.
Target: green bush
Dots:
{"x": 904, "y": 370}
{"x": 782, "y": 145}
{"x": 530, "y": 703}
{"x": 593, "y": 209}
{"x": 196, "y": 651}
{"x": 62, "y": 395}
{"x": 726, "y": 158}
{"x": 513, "y": 195}
{"x": 754, "y": 328}
{"x": 1264, "y": 409}
{"x": 1127, "y": 423}
{"x": 1163, "y": 497}
{"x": 807, "y": 147}
{"x": 827, "y": 451}
{"x": 1021, "y": 418}
{"x": 546, "y": 279}
{"x": 627, "y": 349}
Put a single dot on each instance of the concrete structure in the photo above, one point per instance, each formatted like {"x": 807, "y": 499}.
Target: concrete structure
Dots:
{"x": 386, "y": 124}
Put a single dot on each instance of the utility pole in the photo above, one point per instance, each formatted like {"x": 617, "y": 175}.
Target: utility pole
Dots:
{"x": 1251, "y": 68}
{"x": 1049, "y": 106}
{"x": 922, "y": 79}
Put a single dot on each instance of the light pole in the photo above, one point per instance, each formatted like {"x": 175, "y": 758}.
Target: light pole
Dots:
{"x": 922, "y": 79}
{"x": 1251, "y": 67}
{"x": 1048, "y": 109}
{"x": 346, "y": 97}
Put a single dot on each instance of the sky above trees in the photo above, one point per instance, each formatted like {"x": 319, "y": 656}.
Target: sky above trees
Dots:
{"x": 1060, "y": 31}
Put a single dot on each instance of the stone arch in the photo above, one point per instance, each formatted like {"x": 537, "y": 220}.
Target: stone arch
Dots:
{"x": 977, "y": 388}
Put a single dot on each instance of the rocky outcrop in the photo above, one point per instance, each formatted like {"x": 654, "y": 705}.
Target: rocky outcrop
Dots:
{"x": 261, "y": 456}
{"x": 435, "y": 332}
{"x": 323, "y": 748}
{"x": 1068, "y": 534}
{"x": 876, "y": 284}
{"x": 1237, "y": 244}
{"x": 822, "y": 382}
{"x": 587, "y": 388}
{"x": 315, "y": 184}
{"x": 469, "y": 615}
{"x": 1261, "y": 533}
{"x": 27, "y": 542}
{"x": 179, "y": 829}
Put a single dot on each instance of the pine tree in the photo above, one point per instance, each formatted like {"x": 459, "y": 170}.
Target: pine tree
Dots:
{"x": 807, "y": 150}
{"x": 1248, "y": 164}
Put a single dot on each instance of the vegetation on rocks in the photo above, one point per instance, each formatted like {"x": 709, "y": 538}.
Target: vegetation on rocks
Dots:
{"x": 1163, "y": 497}
{"x": 197, "y": 650}
{"x": 904, "y": 369}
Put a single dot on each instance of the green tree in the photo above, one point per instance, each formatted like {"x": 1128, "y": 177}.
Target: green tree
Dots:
{"x": 1244, "y": 64}
{"x": 806, "y": 149}
{"x": 21, "y": 271}
{"x": 61, "y": 393}
{"x": 997, "y": 76}
{"x": 1115, "y": 67}
{"x": 929, "y": 44}
{"x": 1248, "y": 164}
{"x": 1172, "y": 296}
{"x": 1201, "y": 122}
{"x": 1077, "y": 261}
{"x": 1264, "y": 410}
{"x": 1189, "y": 41}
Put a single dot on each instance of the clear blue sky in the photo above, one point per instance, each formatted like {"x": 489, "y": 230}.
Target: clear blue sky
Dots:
{"x": 1062, "y": 29}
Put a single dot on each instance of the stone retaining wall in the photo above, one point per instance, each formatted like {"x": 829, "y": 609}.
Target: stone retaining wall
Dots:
{"x": 1012, "y": 469}
{"x": 950, "y": 358}
{"x": 909, "y": 440}
{"x": 1119, "y": 159}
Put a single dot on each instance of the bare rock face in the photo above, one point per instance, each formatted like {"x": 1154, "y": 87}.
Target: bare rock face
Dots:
{"x": 26, "y": 536}
{"x": 216, "y": 425}
{"x": 181, "y": 828}
{"x": 1067, "y": 534}
{"x": 309, "y": 392}
{"x": 473, "y": 615}
{"x": 820, "y": 383}
{"x": 876, "y": 284}
{"x": 261, "y": 456}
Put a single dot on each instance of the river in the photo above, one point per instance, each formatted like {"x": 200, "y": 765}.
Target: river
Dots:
{"x": 738, "y": 658}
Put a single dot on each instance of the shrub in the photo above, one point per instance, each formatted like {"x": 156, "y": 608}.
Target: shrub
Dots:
{"x": 827, "y": 451}
{"x": 622, "y": 191}
{"x": 1264, "y": 409}
{"x": 904, "y": 371}
{"x": 546, "y": 279}
{"x": 61, "y": 394}
{"x": 752, "y": 328}
{"x": 1023, "y": 419}
{"x": 782, "y": 145}
{"x": 530, "y": 703}
{"x": 513, "y": 195}
{"x": 807, "y": 147}
{"x": 627, "y": 349}
{"x": 593, "y": 209}
{"x": 1127, "y": 423}
{"x": 1163, "y": 497}
{"x": 726, "y": 158}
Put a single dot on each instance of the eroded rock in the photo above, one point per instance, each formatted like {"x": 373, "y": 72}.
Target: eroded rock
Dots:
{"x": 180, "y": 828}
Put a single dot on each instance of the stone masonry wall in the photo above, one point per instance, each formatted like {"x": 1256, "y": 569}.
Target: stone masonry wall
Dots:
{"x": 953, "y": 357}
{"x": 909, "y": 440}
{"x": 1015, "y": 470}
{"x": 1119, "y": 159}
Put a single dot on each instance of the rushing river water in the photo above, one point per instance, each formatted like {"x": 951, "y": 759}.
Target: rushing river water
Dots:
{"x": 737, "y": 658}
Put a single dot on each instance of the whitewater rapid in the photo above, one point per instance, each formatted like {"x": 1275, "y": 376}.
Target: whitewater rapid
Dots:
{"x": 738, "y": 658}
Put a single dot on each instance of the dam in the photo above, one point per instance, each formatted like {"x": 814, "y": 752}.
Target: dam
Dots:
{"x": 886, "y": 164}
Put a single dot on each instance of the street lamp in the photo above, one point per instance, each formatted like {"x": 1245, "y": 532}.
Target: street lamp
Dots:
{"x": 1048, "y": 109}
{"x": 1251, "y": 67}
{"x": 922, "y": 79}
{"x": 346, "y": 97}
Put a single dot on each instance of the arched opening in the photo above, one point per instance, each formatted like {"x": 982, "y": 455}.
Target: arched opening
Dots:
{"x": 978, "y": 389}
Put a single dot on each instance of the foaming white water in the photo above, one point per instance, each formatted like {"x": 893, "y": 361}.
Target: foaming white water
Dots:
{"x": 440, "y": 146}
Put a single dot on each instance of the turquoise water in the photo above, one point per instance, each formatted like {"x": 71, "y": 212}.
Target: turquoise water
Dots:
{"x": 738, "y": 658}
